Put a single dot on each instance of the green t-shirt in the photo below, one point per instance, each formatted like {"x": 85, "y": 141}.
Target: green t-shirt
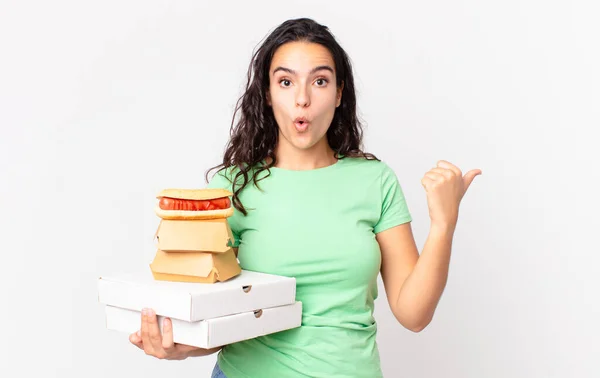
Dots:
{"x": 318, "y": 226}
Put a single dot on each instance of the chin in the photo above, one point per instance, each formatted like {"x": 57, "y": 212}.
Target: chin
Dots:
{"x": 302, "y": 145}
{"x": 305, "y": 143}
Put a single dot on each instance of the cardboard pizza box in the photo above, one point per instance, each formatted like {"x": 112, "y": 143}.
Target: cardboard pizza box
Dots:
{"x": 248, "y": 291}
{"x": 215, "y": 332}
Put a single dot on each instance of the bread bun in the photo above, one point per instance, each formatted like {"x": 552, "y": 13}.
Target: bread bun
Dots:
{"x": 191, "y": 215}
{"x": 195, "y": 194}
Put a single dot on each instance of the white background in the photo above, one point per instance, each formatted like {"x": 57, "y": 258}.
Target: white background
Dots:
{"x": 103, "y": 104}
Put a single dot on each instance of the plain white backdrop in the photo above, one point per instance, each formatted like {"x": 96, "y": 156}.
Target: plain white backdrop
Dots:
{"x": 103, "y": 104}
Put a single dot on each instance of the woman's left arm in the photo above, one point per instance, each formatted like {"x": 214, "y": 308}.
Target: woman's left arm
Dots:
{"x": 414, "y": 283}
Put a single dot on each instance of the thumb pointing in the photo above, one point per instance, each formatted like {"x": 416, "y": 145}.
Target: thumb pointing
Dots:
{"x": 470, "y": 176}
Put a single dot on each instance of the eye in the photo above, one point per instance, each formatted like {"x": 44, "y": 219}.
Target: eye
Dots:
{"x": 285, "y": 81}
{"x": 323, "y": 81}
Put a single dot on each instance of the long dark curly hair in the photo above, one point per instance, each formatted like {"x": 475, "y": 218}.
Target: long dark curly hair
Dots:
{"x": 254, "y": 137}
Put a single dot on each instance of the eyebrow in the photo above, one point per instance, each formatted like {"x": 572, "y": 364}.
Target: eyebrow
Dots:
{"x": 292, "y": 72}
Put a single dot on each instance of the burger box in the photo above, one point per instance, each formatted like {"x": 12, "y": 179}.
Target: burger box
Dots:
{"x": 199, "y": 267}
{"x": 249, "y": 291}
{"x": 194, "y": 251}
{"x": 211, "y": 333}
{"x": 211, "y": 235}
{"x": 249, "y": 305}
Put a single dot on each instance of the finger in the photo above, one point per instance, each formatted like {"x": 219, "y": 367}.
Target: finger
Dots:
{"x": 154, "y": 331}
{"x": 167, "y": 336}
{"x": 426, "y": 182}
{"x": 434, "y": 176}
{"x": 145, "y": 333}
{"x": 448, "y": 173}
{"x": 450, "y": 166}
{"x": 136, "y": 339}
{"x": 470, "y": 176}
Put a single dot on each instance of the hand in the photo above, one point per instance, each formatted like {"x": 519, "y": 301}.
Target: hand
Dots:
{"x": 150, "y": 340}
{"x": 445, "y": 187}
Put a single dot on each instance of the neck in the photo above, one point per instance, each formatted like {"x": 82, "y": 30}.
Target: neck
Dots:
{"x": 319, "y": 156}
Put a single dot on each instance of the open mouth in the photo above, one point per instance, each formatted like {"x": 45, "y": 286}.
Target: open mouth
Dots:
{"x": 301, "y": 124}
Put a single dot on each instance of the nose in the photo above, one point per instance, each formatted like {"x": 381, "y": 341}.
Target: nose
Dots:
{"x": 302, "y": 97}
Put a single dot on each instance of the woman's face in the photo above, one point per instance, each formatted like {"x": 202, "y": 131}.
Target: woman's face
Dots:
{"x": 303, "y": 88}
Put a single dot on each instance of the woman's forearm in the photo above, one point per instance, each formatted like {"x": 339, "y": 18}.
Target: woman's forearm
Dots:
{"x": 424, "y": 286}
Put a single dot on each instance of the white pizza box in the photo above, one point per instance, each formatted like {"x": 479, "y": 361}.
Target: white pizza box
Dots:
{"x": 215, "y": 332}
{"x": 192, "y": 302}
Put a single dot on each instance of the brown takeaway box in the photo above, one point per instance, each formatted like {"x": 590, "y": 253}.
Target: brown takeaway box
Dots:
{"x": 194, "y": 251}
{"x": 212, "y": 235}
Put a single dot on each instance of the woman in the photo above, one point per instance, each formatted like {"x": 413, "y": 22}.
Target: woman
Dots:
{"x": 312, "y": 205}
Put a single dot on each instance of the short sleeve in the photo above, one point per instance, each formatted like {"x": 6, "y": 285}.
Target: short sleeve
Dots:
{"x": 221, "y": 180}
{"x": 394, "y": 209}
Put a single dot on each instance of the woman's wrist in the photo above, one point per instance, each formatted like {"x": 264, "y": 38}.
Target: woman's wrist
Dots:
{"x": 202, "y": 352}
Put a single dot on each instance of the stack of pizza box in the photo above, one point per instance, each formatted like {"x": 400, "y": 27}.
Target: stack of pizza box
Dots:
{"x": 196, "y": 281}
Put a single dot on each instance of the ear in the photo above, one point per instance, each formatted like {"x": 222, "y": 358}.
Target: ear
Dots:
{"x": 339, "y": 95}
{"x": 268, "y": 97}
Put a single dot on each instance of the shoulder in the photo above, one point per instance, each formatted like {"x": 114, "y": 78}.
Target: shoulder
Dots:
{"x": 370, "y": 167}
{"x": 376, "y": 174}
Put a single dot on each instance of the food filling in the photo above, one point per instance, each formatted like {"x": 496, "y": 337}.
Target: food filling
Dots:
{"x": 167, "y": 203}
